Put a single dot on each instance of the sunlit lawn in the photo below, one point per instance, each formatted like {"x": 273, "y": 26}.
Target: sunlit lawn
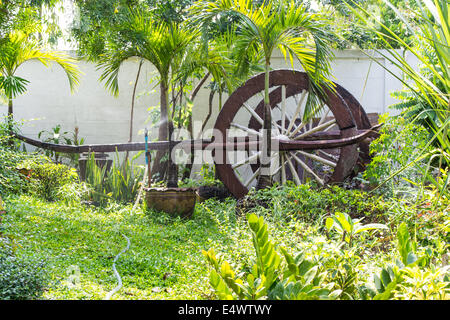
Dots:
{"x": 164, "y": 260}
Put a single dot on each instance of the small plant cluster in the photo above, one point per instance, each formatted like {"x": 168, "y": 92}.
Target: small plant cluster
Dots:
{"x": 57, "y": 136}
{"x": 414, "y": 276}
{"x": 297, "y": 279}
{"x": 47, "y": 178}
{"x": 311, "y": 204}
{"x": 20, "y": 279}
{"x": 400, "y": 142}
{"x": 120, "y": 183}
{"x": 11, "y": 181}
{"x": 29, "y": 172}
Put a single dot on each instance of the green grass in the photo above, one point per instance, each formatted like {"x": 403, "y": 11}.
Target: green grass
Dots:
{"x": 164, "y": 257}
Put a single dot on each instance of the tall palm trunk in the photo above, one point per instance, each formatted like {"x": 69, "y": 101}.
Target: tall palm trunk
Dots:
{"x": 133, "y": 98}
{"x": 188, "y": 169}
{"x": 10, "y": 114}
{"x": 265, "y": 177}
{"x": 160, "y": 167}
{"x": 172, "y": 169}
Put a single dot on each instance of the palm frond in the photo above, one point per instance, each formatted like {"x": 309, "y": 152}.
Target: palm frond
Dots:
{"x": 17, "y": 48}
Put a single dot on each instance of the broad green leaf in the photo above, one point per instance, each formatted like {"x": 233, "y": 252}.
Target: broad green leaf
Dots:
{"x": 367, "y": 227}
{"x": 385, "y": 277}
{"x": 329, "y": 223}
{"x": 309, "y": 276}
{"x": 378, "y": 283}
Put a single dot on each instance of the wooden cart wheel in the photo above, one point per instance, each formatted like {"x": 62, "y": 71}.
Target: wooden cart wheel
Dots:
{"x": 241, "y": 118}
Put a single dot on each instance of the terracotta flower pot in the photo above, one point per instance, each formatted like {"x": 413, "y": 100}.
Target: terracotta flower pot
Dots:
{"x": 174, "y": 201}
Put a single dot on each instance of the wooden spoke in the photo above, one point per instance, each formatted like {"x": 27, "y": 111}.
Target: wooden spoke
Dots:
{"x": 326, "y": 129}
{"x": 297, "y": 112}
{"x": 250, "y": 180}
{"x": 324, "y": 116}
{"x": 283, "y": 169}
{"x": 251, "y": 131}
{"x": 300, "y": 127}
{"x": 277, "y": 127}
{"x": 294, "y": 172}
{"x": 318, "y": 128}
{"x": 307, "y": 169}
{"x": 273, "y": 160}
{"x": 254, "y": 114}
{"x": 334, "y": 157}
{"x": 246, "y": 160}
{"x": 317, "y": 158}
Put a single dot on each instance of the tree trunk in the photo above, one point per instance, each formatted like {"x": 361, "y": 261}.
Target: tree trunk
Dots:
{"x": 172, "y": 168}
{"x": 188, "y": 169}
{"x": 10, "y": 114}
{"x": 159, "y": 167}
{"x": 265, "y": 177}
{"x": 130, "y": 137}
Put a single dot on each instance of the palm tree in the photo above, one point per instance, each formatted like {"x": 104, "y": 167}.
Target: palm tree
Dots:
{"x": 17, "y": 48}
{"x": 160, "y": 43}
{"x": 260, "y": 30}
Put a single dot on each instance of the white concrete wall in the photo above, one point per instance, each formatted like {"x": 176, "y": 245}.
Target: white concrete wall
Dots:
{"x": 102, "y": 118}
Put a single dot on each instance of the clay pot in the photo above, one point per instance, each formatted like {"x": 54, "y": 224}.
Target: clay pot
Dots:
{"x": 174, "y": 201}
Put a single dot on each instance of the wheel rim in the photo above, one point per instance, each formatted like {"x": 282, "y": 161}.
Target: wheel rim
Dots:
{"x": 287, "y": 85}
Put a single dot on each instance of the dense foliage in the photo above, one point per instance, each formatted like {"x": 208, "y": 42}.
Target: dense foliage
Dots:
{"x": 349, "y": 34}
{"x": 20, "y": 279}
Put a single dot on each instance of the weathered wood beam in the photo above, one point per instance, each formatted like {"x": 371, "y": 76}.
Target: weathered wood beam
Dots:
{"x": 187, "y": 145}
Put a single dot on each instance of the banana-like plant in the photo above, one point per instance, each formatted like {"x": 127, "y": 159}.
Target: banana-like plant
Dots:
{"x": 348, "y": 228}
{"x": 295, "y": 278}
{"x": 17, "y": 48}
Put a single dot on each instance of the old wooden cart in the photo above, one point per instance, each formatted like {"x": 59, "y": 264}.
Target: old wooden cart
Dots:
{"x": 327, "y": 148}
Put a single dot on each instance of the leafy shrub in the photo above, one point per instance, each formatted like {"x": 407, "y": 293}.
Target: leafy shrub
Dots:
{"x": 312, "y": 204}
{"x": 57, "y": 136}
{"x": 21, "y": 279}
{"x": 207, "y": 175}
{"x": 413, "y": 276}
{"x": 11, "y": 181}
{"x": 348, "y": 228}
{"x": 401, "y": 141}
{"x": 47, "y": 177}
